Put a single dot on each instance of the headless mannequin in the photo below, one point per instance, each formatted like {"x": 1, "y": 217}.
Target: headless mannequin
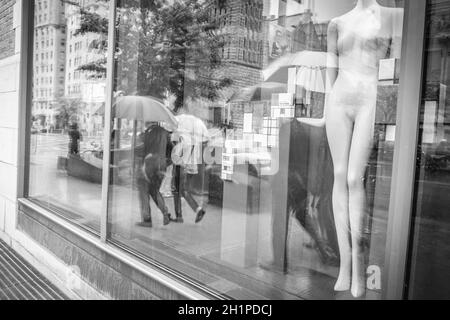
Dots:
{"x": 356, "y": 43}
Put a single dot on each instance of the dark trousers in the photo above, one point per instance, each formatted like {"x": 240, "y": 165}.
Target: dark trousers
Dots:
{"x": 183, "y": 184}
{"x": 151, "y": 187}
{"x": 297, "y": 204}
{"x": 74, "y": 147}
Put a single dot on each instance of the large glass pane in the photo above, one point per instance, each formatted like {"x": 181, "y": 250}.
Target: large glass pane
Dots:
{"x": 253, "y": 142}
{"x": 69, "y": 50}
{"x": 430, "y": 261}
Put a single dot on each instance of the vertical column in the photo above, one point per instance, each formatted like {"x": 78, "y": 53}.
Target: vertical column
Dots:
{"x": 107, "y": 129}
{"x": 14, "y": 21}
{"x": 280, "y": 216}
{"x": 240, "y": 218}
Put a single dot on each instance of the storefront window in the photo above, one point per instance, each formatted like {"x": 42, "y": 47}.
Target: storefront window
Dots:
{"x": 430, "y": 259}
{"x": 252, "y": 142}
{"x": 68, "y": 99}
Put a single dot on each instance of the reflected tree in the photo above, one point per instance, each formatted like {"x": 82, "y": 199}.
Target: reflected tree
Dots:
{"x": 163, "y": 49}
{"x": 68, "y": 110}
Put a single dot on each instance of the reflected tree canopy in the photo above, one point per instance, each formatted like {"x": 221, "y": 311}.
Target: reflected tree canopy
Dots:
{"x": 178, "y": 52}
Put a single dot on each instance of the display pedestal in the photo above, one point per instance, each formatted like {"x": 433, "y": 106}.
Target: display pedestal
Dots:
{"x": 240, "y": 218}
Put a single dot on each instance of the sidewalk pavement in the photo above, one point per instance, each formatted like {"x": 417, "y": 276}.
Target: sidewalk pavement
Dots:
{"x": 20, "y": 281}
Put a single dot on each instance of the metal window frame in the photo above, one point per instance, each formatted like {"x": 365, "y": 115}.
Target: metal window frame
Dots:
{"x": 107, "y": 129}
{"x": 25, "y": 96}
{"x": 402, "y": 185}
{"x": 25, "y": 107}
{"x": 405, "y": 151}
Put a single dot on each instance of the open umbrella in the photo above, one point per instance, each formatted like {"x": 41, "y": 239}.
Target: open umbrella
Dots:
{"x": 143, "y": 109}
{"x": 260, "y": 92}
{"x": 140, "y": 108}
{"x": 309, "y": 68}
{"x": 278, "y": 70}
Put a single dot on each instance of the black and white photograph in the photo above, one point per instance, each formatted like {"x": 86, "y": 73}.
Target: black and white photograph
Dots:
{"x": 224, "y": 150}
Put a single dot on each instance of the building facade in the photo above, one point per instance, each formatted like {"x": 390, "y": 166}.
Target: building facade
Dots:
{"x": 87, "y": 88}
{"x": 247, "y": 204}
{"x": 50, "y": 55}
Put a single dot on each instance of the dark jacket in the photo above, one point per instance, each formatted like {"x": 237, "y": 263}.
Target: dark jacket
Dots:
{"x": 157, "y": 151}
{"x": 74, "y": 138}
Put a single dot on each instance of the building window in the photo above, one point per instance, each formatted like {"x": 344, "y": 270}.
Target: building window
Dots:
{"x": 69, "y": 114}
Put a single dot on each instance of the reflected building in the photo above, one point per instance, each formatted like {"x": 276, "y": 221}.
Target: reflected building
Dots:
{"x": 86, "y": 87}
{"x": 308, "y": 35}
{"x": 49, "y": 61}
{"x": 282, "y": 27}
{"x": 240, "y": 24}
{"x": 437, "y": 106}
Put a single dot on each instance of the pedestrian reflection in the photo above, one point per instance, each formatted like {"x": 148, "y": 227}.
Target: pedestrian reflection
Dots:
{"x": 74, "y": 139}
{"x": 157, "y": 150}
{"x": 190, "y": 138}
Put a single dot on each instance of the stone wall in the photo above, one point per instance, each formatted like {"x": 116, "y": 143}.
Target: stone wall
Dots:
{"x": 9, "y": 113}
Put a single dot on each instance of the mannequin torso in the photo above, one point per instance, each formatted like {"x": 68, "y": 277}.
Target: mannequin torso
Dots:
{"x": 363, "y": 37}
{"x": 357, "y": 41}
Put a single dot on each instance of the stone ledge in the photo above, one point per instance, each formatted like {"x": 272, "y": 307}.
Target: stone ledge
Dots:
{"x": 104, "y": 272}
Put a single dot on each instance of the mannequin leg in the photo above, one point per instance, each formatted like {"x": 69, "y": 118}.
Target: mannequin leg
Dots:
{"x": 339, "y": 132}
{"x": 359, "y": 156}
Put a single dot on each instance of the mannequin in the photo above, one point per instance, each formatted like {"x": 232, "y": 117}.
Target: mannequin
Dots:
{"x": 357, "y": 41}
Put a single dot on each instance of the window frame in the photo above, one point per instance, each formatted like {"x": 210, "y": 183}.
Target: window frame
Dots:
{"x": 400, "y": 219}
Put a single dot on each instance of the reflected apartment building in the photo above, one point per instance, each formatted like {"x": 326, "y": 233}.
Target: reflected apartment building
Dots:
{"x": 50, "y": 57}
{"x": 86, "y": 88}
{"x": 438, "y": 38}
{"x": 60, "y": 88}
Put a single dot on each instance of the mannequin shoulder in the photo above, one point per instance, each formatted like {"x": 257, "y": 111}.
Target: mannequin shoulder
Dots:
{"x": 393, "y": 13}
{"x": 333, "y": 26}
{"x": 338, "y": 23}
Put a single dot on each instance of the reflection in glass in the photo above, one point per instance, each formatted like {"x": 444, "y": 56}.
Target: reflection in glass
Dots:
{"x": 241, "y": 116}
{"x": 68, "y": 90}
{"x": 357, "y": 41}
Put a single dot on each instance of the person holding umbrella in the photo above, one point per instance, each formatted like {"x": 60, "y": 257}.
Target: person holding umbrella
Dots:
{"x": 157, "y": 150}
{"x": 187, "y": 157}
